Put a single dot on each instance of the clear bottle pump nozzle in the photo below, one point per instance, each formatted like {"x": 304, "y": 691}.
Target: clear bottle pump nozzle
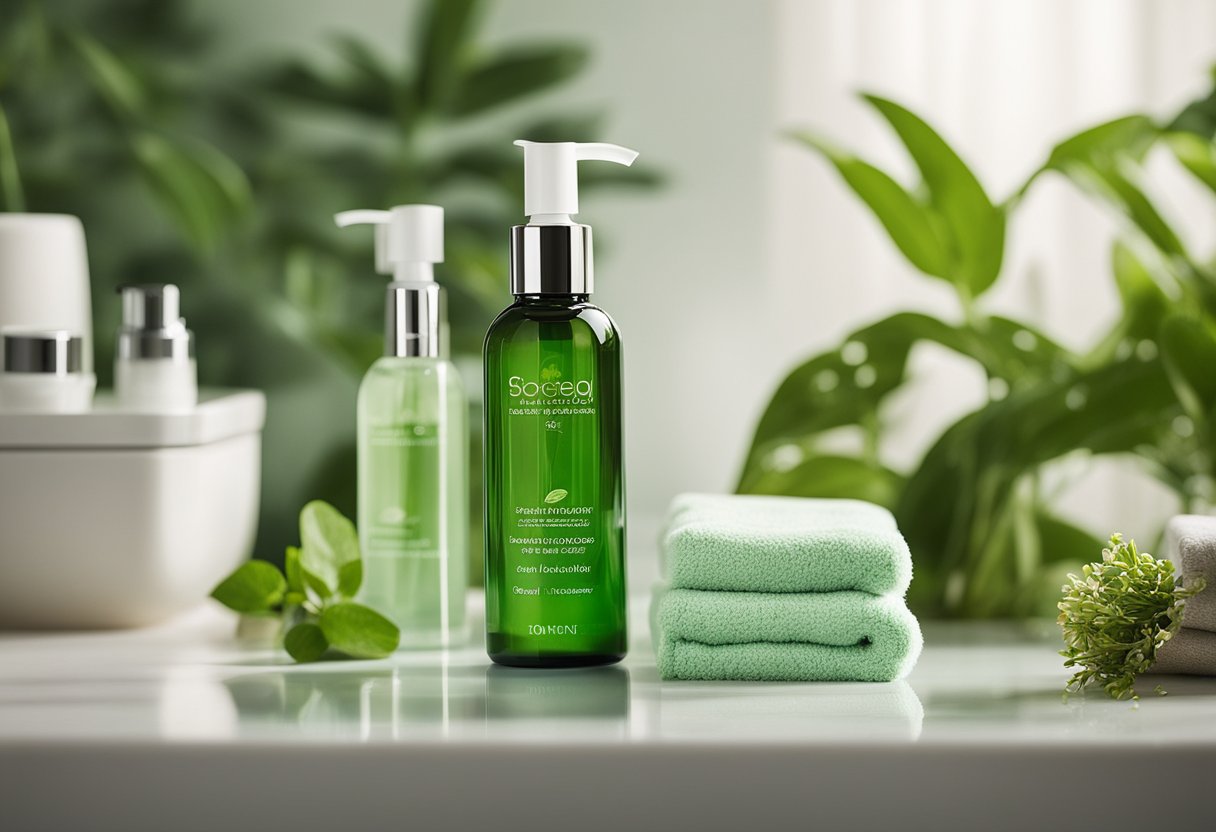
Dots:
{"x": 409, "y": 238}
{"x": 551, "y": 176}
{"x": 409, "y": 242}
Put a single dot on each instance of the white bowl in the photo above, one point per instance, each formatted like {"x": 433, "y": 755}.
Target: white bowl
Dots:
{"x": 116, "y": 519}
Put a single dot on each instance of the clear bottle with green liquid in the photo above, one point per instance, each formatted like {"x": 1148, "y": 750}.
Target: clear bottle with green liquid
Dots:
{"x": 412, "y": 443}
{"x": 554, "y": 463}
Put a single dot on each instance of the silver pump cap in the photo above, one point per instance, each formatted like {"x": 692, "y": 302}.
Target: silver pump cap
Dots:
{"x": 55, "y": 352}
{"x": 551, "y": 260}
{"x": 413, "y": 312}
{"x": 152, "y": 326}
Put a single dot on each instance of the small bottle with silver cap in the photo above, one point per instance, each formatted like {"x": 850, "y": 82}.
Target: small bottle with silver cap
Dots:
{"x": 154, "y": 367}
{"x": 413, "y": 442}
{"x": 555, "y": 479}
{"x": 44, "y": 372}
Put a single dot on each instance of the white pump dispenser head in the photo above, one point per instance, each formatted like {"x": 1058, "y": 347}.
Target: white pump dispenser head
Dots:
{"x": 551, "y": 176}
{"x": 409, "y": 239}
{"x": 551, "y": 255}
{"x": 409, "y": 242}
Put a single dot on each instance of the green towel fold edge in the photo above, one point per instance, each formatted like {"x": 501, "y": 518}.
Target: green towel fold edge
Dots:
{"x": 700, "y": 635}
{"x": 754, "y": 543}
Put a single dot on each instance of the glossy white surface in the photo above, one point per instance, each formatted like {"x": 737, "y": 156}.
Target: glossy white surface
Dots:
{"x": 137, "y": 724}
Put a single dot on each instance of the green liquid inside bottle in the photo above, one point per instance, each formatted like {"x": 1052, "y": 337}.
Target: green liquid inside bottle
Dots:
{"x": 413, "y": 522}
{"x": 555, "y": 511}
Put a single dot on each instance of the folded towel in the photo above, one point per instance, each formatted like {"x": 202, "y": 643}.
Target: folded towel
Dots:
{"x": 694, "y": 506}
{"x": 1190, "y": 651}
{"x": 831, "y": 636}
{"x": 784, "y": 544}
{"x": 1191, "y": 546}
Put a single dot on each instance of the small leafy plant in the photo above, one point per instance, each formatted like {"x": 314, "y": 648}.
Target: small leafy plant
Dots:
{"x": 313, "y": 594}
{"x": 1117, "y": 614}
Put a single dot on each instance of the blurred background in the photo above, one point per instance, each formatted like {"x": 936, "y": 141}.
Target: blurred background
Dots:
{"x": 983, "y": 297}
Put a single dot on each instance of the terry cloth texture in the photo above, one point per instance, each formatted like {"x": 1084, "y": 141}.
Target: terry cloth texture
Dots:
{"x": 784, "y": 544}
{"x": 1190, "y": 651}
{"x": 1191, "y": 545}
{"x": 830, "y": 636}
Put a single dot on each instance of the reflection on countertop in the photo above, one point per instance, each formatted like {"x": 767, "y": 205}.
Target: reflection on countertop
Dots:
{"x": 189, "y": 682}
{"x": 423, "y": 701}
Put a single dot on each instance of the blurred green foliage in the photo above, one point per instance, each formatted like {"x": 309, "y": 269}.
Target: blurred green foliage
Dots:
{"x": 985, "y": 536}
{"x": 225, "y": 179}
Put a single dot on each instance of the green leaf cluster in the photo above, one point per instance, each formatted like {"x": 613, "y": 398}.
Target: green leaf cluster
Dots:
{"x": 978, "y": 509}
{"x": 313, "y": 594}
{"x": 1117, "y": 614}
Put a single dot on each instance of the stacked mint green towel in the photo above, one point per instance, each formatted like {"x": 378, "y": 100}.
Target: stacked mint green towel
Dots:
{"x": 783, "y": 588}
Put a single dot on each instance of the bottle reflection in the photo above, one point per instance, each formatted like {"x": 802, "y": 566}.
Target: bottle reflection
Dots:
{"x": 522, "y": 703}
{"x": 430, "y": 702}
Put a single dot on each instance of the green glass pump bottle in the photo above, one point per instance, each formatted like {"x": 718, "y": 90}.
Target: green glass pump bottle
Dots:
{"x": 554, "y": 475}
{"x": 412, "y": 443}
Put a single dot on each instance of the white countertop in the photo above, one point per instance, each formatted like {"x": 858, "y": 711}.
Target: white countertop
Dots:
{"x": 177, "y": 727}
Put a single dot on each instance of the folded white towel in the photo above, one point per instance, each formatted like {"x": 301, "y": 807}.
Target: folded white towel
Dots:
{"x": 1190, "y": 651}
{"x": 1191, "y": 544}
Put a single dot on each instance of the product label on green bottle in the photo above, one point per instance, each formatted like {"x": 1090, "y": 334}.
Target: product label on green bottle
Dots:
{"x": 404, "y": 474}
{"x": 551, "y": 546}
{"x": 552, "y": 543}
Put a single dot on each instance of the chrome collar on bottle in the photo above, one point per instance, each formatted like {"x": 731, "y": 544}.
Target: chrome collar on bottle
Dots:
{"x": 411, "y": 323}
{"x": 152, "y": 326}
{"x": 54, "y": 352}
{"x": 551, "y": 260}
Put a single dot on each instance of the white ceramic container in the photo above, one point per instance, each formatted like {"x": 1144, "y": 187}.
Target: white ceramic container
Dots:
{"x": 117, "y": 519}
{"x": 44, "y": 276}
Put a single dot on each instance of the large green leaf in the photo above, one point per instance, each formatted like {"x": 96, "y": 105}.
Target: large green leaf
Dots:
{"x": 1188, "y": 346}
{"x": 444, "y": 36}
{"x": 328, "y": 543}
{"x": 976, "y": 227}
{"x": 1065, "y": 542}
{"x": 516, "y": 73}
{"x": 305, "y": 642}
{"x": 359, "y": 631}
{"x": 909, "y": 223}
{"x": 846, "y": 386}
{"x": 204, "y": 191}
{"x": 842, "y": 387}
{"x": 1104, "y": 162}
{"x": 1145, "y": 303}
{"x": 353, "y": 92}
{"x": 12, "y": 196}
{"x": 816, "y": 475}
{"x": 256, "y": 586}
{"x": 1196, "y": 154}
{"x": 954, "y": 500}
{"x": 1101, "y": 145}
{"x": 1010, "y": 350}
{"x": 1059, "y": 548}
{"x": 369, "y": 66}
{"x": 1199, "y": 116}
{"x": 118, "y": 84}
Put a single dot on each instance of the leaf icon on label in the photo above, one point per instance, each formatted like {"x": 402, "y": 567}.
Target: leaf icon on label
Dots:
{"x": 556, "y": 495}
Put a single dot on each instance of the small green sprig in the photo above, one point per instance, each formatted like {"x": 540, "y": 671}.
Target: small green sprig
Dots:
{"x": 312, "y": 595}
{"x": 1117, "y": 614}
